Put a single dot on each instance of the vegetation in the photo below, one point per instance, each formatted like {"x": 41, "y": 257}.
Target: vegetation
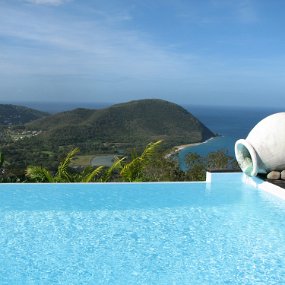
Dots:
{"x": 6, "y": 176}
{"x": 112, "y": 131}
{"x": 131, "y": 171}
{"x": 135, "y": 170}
{"x": 30, "y": 137}
{"x": 18, "y": 115}
{"x": 150, "y": 165}
{"x": 198, "y": 165}
{"x": 64, "y": 172}
{"x": 1, "y": 160}
{"x": 135, "y": 122}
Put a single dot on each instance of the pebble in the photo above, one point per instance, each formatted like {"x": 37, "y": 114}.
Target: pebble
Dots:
{"x": 274, "y": 175}
{"x": 283, "y": 174}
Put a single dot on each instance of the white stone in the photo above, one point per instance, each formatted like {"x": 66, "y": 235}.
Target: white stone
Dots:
{"x": 264, "y": 148}
{"x": 274, "y": 175}
{"x": 283, "y": 174}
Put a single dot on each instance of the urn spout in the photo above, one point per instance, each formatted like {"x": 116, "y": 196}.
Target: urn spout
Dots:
{"x": 246, "y": 157}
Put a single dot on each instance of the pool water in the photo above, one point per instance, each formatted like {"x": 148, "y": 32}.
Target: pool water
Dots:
{"x": 223, "y": 232}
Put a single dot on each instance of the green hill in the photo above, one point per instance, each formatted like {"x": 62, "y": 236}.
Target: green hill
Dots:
{"x": 135, "y": 122}
{"x": 114, "y": 130}
{"x": 18, "y": 115}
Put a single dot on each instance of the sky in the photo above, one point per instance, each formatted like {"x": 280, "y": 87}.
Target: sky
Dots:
{"x": 200, "y": 52}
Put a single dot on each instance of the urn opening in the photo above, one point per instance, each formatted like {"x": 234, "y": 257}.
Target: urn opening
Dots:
{"x": 246, "y": 157}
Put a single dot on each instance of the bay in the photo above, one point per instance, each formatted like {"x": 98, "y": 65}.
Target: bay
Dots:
{"x": 231, "y": 123}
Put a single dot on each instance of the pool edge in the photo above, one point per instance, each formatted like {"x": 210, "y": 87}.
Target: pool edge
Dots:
{"x": 255, "y": 182}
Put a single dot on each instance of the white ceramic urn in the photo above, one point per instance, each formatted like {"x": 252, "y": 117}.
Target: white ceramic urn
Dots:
{"x": 264, "y": 148}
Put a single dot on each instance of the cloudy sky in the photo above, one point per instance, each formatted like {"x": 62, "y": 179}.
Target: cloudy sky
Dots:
{"x": 202, "y": 52}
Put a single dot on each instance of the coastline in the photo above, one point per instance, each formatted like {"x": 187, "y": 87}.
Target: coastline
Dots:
{"x": 181, "y": 147}
{"x": 178, "y": 148}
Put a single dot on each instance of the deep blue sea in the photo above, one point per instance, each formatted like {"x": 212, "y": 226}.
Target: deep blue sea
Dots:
{"x": 231, "y": 123}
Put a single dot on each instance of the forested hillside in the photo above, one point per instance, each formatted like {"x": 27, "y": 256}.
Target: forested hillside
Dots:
{"x": 136, "y": 122}
{"x": 114, "y": 130}
{"x": 18, "y": 115}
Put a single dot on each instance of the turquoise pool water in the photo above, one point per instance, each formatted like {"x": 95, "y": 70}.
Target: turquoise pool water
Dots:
{"x": 174, "y": 233}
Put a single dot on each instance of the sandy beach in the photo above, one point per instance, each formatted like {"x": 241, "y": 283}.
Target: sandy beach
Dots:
{"x": 181, "y": 147}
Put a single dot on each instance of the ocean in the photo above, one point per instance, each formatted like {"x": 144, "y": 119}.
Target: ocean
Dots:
{"x": 231, "y": 123}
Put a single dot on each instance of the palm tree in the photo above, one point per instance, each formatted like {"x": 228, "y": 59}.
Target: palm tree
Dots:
{"x": 63, "y": 174}
{"x": 116, "y": 166}
{"x": 133, "y": 171}
{"x": 130, "y": 172}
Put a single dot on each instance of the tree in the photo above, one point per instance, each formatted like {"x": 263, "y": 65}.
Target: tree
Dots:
{"x": 221, "y": 160}
{"x": 198, "y": 165}
{"x": 134, "y": 170}
{"x": 117, "y": 166}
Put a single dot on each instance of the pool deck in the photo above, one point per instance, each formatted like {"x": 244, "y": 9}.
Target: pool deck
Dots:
{"x": 275, "y": 187}
{"x": 279, "y": 182}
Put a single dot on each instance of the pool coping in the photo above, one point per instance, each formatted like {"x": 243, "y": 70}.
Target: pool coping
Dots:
{"x": 265, "y": 186}
{"x": 102, "y": 183}
{"x": 256, "y": 182}
{"x": 218, "y": 176}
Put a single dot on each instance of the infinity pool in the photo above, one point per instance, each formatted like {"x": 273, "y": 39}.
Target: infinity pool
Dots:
{"x": 223, "y": 232}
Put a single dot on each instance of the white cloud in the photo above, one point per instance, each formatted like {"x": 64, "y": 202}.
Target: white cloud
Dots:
{"x": 86, "y": 47}
{"x": 102, "y": 51}
{"x": 56, "y": 50}
{"x": 47, "y": 2}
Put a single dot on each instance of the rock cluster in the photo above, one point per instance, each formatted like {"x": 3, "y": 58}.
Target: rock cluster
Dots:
{"x": 275, "y": 175}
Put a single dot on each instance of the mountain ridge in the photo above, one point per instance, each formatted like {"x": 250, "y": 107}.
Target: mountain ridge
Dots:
{"x": 115, "y": 130}
{"x": 140, "y": 120}
{"x": 18, "y": 115}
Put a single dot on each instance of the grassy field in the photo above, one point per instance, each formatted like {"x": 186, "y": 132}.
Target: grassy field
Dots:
{"x": 105, "y": 160}
{"x": 82, "y": 160}
{"x": 94, "y": 160}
